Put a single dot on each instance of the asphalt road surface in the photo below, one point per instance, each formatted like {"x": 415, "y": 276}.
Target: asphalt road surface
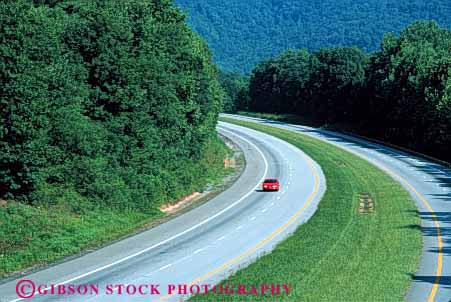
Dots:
{"x": 430, "y": 185}
{"x": 202, "y": 246}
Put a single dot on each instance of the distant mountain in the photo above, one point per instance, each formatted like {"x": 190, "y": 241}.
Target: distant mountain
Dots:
{"x": 242, "y": 33}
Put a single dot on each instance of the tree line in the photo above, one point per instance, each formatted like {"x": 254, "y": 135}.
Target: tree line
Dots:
{"x": 399, "y": 94}
{"x": 243, "y": 33}
{"x": 104, "y": 103}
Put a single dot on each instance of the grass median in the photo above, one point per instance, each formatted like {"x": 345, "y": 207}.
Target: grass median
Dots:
{"x": 341, "y": 254}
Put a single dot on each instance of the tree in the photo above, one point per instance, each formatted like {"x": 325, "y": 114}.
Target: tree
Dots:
{"x": 235, "y": 87}
{"x": 338, "y": 75}
{"x": 407, "y": 83}
{"x": 280, "y": 85}
{"x": 400, "y": 94}
{"x": 115, "y": 102}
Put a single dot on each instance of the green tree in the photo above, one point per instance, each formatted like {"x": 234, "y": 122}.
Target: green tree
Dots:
{"x": 115, "y": 102}
{"x": 235, "y": 86}
{"x": 39, "y": 88}
{"x": 400, "y": 94}
{"x": 337, "y": 76}
{"x": 407, "y": 88}
{"x": 280, "y": 84}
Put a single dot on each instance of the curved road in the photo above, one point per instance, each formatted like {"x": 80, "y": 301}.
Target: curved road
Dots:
{"x": 205, "y": 244}
{"x": 429, "y": 184}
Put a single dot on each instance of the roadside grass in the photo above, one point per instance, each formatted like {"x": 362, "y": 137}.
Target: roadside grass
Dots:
{"x": 32, "y": 236}
{"x": 340, "y": 254}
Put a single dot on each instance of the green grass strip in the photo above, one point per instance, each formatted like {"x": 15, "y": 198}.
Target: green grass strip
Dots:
{"x": 340, "y": 254}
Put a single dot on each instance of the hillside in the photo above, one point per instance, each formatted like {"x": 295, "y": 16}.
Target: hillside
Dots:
{"x": 242, "y": 33}
{"x": 107, "y": 110}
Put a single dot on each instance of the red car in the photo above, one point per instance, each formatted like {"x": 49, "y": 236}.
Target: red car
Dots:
{"x": 271, "y": 184}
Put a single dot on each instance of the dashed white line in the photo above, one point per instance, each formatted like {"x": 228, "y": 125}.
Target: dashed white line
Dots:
{"x": 78, "y": 277}
{"x": 264, "y": 210}
{"x": 271, "y": 204}
{"x": 252, "y": 218}
{"x": 220, "y": 238}
{"x": 165, "y": 267}
{"x": 239, "y": 227}
{"x": 197, "y": 251}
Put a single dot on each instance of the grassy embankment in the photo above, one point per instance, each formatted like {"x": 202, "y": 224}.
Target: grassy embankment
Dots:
{"x": 31, "y": 236}
{"x": 341, "y": 254}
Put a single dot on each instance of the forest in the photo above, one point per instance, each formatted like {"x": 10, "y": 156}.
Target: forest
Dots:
{"x": 107, "y": 104}
{"x": 243, "y": 33}
{"x": 400, "y": 94}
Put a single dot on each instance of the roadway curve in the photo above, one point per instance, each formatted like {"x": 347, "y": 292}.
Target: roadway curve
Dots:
{"x": 208, "y": 243}
{"x": 428, "y": 182}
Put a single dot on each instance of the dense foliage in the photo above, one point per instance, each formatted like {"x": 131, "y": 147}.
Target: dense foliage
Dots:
{"x": 400, "y": 94}
{"x": 107, "y": 103}
{"x": 236, "y": 91}
{"x": 243, "y": 33}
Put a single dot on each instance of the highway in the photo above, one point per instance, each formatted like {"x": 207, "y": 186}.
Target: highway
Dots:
{"x": 208, "y": 243}
{"x": 428, "y": 182}
{"x": 202, "y": 246}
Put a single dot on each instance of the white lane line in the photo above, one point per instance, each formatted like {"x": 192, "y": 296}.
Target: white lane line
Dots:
{"x": 165, "y": 267}
{"x": 271, "y": 204}
{"x": 264, "y": 210}
{"x": 173, "y": 263}
{"x": 278, "y": 197}
{"x": 197, "y": 251}
{"x": 252, "y": 218}
{"x": 179, "y": 234}
{"x": 239, "y": 228}
{"x": 221, "y": 238}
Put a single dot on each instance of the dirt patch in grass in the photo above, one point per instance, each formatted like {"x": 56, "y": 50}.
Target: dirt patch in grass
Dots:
{"x": 366, "y": 203}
